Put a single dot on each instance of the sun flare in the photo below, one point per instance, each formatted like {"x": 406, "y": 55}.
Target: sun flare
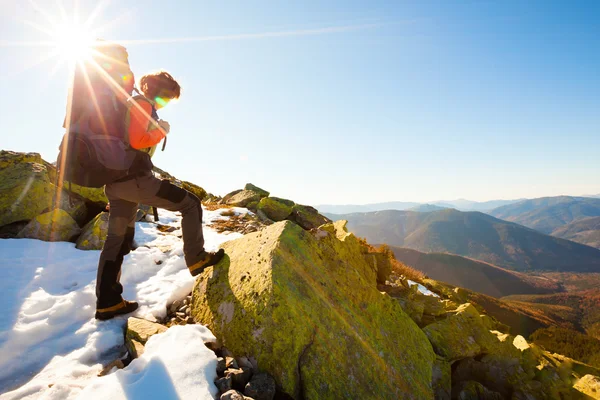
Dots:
{"x": 73, "y": 41}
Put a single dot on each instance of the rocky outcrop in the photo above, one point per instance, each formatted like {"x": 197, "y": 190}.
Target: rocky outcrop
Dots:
{"x": 589, "y": 385}
{"x": 274, "y": 209}
{"x": 243, "y": 198}
{"x": 285, "y": 294}
{"x": 262, "y": 192}
{"x": 94, "y": 233}
{"x": 307, "y": 217}
{"x": 25, "y": 192}
{"x": 53, "y": 226}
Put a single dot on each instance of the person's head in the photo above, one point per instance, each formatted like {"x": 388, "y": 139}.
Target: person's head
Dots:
{"x": 160, "y": 87}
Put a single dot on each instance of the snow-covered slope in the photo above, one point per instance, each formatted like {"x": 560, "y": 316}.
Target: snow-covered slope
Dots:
{"x": 52, "y": 347}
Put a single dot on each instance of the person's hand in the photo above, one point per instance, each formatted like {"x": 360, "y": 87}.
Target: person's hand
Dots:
{"x": 164, "y": 125}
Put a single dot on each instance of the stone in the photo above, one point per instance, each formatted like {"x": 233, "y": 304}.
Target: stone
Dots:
{"x": 589, "y": 385}
{"x": 232, "y": 395}
{"x": 228, "y": 196}
{"x": 231, "y": 362}
{"x": 118, "y": 364}
{"x": 141, "y": 330}
{"x": 221, "y": 366}
{"x": 11, "y": 158}
{"x": 134, "y": 347}
{"x": 274, "y": 209}
{"x": 262, "y": 192}
{"x": 472, "y": 390}
{"x": 25, "y": 192}
{"x": 243, "y": 198}
{"x": 53, "y": 226}
{"x": 94, "y": 234}
{"x": 239, "y": 377}
{"x": 224, "y": 384}
{"x": 244, "y": 362}
{"x": 461, "y": 335}
{"x": 441, "y": 379}
{"x": 308, "y": 217}
{"x": 262, "y": 386}
{"x": 309, "y": 301}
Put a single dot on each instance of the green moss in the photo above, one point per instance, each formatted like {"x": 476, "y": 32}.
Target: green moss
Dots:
{"x": 52, "y": 226}
{"x": 308, "y": 310}
{"x": 94, "y": 233}
{"x": 274, "y": 209}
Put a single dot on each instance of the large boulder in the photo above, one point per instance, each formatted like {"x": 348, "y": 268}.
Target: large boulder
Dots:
{"x": 307, "y": 217}
{"x": 52, "y": 226}
{"x": 274, "y": 208}
{"x": 243, "y": 198}
{"x": 589, "y": 385}
{"x": 307, "y": 308}
{"x": 25, "y": 192}
{"x": 94, "y": 233}
{"x": 461, "y": 335}
{"x": 262, "y": 192}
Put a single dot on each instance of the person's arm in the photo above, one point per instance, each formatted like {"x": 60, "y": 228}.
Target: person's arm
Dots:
{"x": 143, "y": 132}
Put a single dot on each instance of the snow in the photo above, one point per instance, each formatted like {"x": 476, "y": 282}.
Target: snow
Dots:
{"x": 51, "y": 346}
{"x": 422, "y": 288}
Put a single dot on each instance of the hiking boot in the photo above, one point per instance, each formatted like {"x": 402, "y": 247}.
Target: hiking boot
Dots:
{"x": 208, "y": 259}
{"x": 124, "y": 307}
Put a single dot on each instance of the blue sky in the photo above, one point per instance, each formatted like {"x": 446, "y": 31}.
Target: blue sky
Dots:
{"x": 356, "y": 102}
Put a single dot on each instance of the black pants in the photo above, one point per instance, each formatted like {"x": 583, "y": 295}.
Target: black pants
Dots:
{"x": 124, "y": 198}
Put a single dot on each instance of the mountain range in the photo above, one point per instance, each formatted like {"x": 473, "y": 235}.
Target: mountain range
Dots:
{"x": 474, "y": 235}
{"x": 460, "y": 204}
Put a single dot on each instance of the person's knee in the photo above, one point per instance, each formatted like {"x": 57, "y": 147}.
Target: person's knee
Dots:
{"x": 171, "y": 192}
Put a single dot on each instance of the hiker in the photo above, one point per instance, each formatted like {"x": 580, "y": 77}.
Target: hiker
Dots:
{"x": 124, "y": 195}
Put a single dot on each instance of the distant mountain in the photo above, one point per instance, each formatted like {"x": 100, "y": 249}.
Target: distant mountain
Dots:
{"x": 472, "y": 274}
{"x": 468, "y": 205}
{"x": 475, "y": 235}
{"x": 427, "y": 208}
{"x": 585, "y": 231}
{"x": 352, "y": 208}
{"x": 461, "y": 204}
{"x": 546, "y": 214}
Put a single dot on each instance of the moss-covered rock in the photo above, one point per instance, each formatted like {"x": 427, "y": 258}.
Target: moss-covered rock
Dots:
{"x": 74, "y": 206}
{"x": 441, "y": 379}
{"x": 472, "y": 390}
{"x": 308, "y": 217}
{"x": 243, "y": 198}
{"x": 95, "y": 196}
{"x": 589, "y": 385}
{"x": 195, "y": 189}
{"x": 307, "y": 309}
{"x": 25, "y": 192}
{"x": 274, "y": 209}
{"x": 94, "y": 233}
{"x": 52, "y": 226}
{"x": 262, "y": 192}
{"x": 11, "y": 158}
{"x": 460, "y": 335}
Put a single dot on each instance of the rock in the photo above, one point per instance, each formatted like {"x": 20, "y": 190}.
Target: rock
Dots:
{"x": 382, "y": 264}
{"x": 11, "y": 231}
{"x": 441, "y": 379}
{"x": 53, "y": 226}
{"x": 461, "y": 335}
{"x": 262, "y": 192}
{"x": 232, "y": 395}
{"x": 244, "y": 362}
{"x": 252, "y": 206}
{"x": 11, "y": 158}
{"x": 221, "y": 366}
{"x": 474, "y": 391}
{"x": 308, "y": 217}
{"x": 589, "y": 385}
{"x": 199, "y": 192}
{"x": 230, "y": 362}
{"x": 224, "y": 384}
{"x": 243, "y": 198}
{"x": 118, "y": 364}
{"x": 25, "y": 192}
{"x": 307, "y": 303}
{"x": 94, "y": 233}
{"x": 134, "y": 347}
{"x": 239, "y": 377}
{"x": 261, "y": 387}
{"x": 274, "y": 209}
{"x": 228, "y": 196}
{"x": 141, "y": 329}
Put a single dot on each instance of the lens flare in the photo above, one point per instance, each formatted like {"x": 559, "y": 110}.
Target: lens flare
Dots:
{"x": 73, "y": 41}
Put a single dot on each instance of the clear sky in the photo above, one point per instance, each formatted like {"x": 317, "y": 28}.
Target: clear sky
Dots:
{"x": 342, "y": 101}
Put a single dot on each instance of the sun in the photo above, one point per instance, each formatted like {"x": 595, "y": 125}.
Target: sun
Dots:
{"x": 73, "y": 41}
